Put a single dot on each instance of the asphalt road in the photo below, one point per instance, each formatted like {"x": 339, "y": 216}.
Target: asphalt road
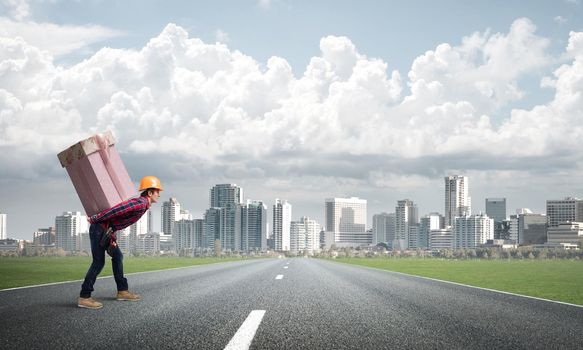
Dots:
{"x": 314, "y": 304}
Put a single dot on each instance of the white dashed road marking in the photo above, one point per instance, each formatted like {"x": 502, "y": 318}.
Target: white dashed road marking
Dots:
{"x": 279, "y": 277}
{"x": 244, "y": 336}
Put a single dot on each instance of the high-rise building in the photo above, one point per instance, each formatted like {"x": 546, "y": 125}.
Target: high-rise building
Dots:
{"x": 125, "y": 241}
{"x": 513, "y": 229}
{"x": 149, "y": 243}
{"x": 230, "y": 227}
{"x": 142, "y": 226}
{"x": 313, "y": 229}
{"x": 297, "y": 237}
{"x": 282, "y": 213}
{"x": 532, "y": 229}
{"x": 68, "y": 230}
{"x": 254, "y": 226}
{"x": 44, "y": 236}
{"x": 441, "y": 239}
{"x": 170, "y": 214}
{"x": 565, "y": 210}
{"x": 224, "y": 194}
{"x": 496, "y": 209}
{"x": 305, "y": 236}
{"x": 383, "y": 228}
{"x": 346, "y": 222}
{"x": 198, "y": 234}
{"x": 223, "y": 219}
{"x": 472, "y": 231}
{"x": 391, "y": 229}
{"x": 150, "y": 220}
{"x": 406, "y": 215}
{"x": 211, "y": 227}
{"x": 457, "y": 198}
{"x": 3, "y": 219}
{"x": 185, "y": 237}
{"x": 185, "y": 215}
{"x": 431, "y": 221}
{"x": 413, "y": 236}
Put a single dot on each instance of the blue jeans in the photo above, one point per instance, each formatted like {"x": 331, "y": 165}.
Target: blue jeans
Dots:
{"x": 98, "y": 253}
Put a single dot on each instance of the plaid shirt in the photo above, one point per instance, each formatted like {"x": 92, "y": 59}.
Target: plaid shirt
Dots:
{"x": 122, "y": 215}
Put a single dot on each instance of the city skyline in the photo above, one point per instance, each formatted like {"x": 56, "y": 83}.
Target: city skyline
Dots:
{"x": 293, "y": 99}
{"x": 231, "y": 225}
{"x": 177, "y": 211}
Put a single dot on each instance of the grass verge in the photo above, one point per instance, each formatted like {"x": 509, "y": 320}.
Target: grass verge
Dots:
{"x": 560, "y": 280}
{"x": 19, "y": 272}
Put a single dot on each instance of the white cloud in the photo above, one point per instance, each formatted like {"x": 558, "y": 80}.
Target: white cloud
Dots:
{"x": 575, "y": 45}
{"x": 18, "y": 9}
{"x": 197, "y": 109}
{"x": 484, "y": 70}
{"x": 58, "y": 40}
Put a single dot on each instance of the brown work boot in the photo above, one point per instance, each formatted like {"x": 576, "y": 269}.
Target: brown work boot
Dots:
{"x": 125, "y": 295}
{"x": 89, "y": 303}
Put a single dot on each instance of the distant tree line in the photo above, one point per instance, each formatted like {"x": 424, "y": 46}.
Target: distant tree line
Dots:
{"x": 520, "y": 253}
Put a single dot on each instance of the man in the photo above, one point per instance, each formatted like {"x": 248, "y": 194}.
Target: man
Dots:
{"x": 102, "y": 230}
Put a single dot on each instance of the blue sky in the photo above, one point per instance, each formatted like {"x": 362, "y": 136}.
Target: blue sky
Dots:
{"x": 300, "y": 100}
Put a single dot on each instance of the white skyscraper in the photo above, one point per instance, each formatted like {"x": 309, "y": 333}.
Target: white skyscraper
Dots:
{"x": 185, "y": 215}
{"x": 432, "y": 221}
{"x": 3, "y": 218}
{"x": 383, "y": 228}
{"x": 406, "y": 220}
{"x": 170, "y": 214}
{"x": 457, "y": 198}
{"x": 441, "y": 239}
{"x": 282, "y": 213}
{"x": 513, "y": 229}
{"x": 346, "y": 222}
{"x": 305, "y": 236}
{"x": 185, "y": 236}
{"x": 68, "y": 230}
{"x": 471, "y": 231}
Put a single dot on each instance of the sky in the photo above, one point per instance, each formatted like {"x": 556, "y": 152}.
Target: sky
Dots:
{"x": 297, "y": 100}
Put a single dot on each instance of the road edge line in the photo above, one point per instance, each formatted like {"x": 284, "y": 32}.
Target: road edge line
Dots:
{"x": 127, "y": 274}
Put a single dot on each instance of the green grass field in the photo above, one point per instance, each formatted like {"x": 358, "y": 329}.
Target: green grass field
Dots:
{"x": 18, "y": 272}
{"x": 560, "y": 280}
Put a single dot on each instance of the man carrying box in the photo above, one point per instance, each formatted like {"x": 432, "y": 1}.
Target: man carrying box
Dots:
{"x": 107, "y": 222}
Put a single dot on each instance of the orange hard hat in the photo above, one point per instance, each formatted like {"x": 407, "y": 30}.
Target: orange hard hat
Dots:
{"x": 150, "y": 182}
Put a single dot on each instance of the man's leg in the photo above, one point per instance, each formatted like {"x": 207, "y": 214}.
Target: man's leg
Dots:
{"x": 120, "y": 280}
{"x": 98, "y": 254}
{"x": 117, "y": 267}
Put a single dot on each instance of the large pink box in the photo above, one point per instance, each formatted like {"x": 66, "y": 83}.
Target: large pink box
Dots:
{"x": 98, "y": 173}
